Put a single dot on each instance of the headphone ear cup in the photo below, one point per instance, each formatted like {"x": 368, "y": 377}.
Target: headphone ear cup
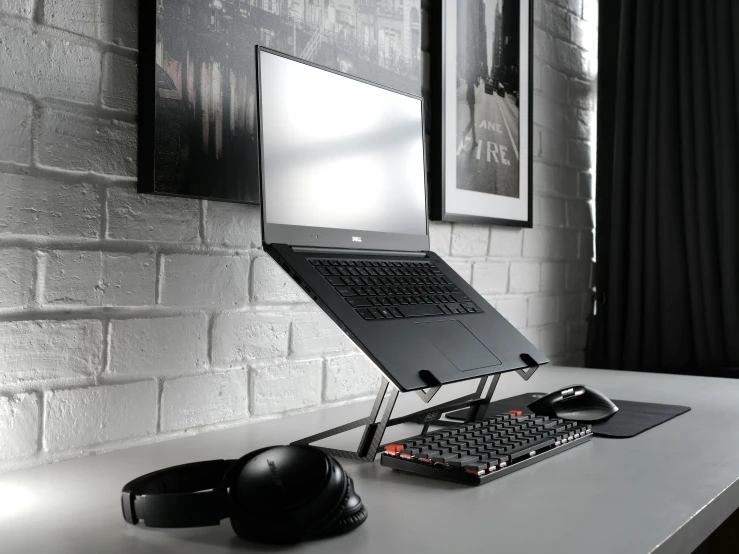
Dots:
{"x": 340, "y": 522}
{"x": 352, "y": 513}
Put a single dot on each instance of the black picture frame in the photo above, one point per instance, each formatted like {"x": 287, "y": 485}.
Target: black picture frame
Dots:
{"x": 447, "y": 201}
{"x": 185, "y": 43}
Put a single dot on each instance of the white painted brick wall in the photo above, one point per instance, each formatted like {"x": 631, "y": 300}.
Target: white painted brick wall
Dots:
{"x": 200, "y": 400}
{"x": 128, "y": 318}
{"x": 243, "y": 337}
{"x": 76, "y": 418}
{"x": 19, "y": 417}
{"x": 204, "y": 280}
{"x": 159, "y": 346}
{"x": 98, "y": 278}
{"x": 317, "y": 334}
{"x": 16, "y": 277}
{"x": 32, "y": 351}
{"x": 144, "y": 217}
{"x": 349, "y": 377}
{"x": 78, "y": 16}
{"x": 470, "y": 241}
{"x": 21, "y": 8}
{"x": 505, "y": 243}
{"x": 290, "y": 386}
{"x": 81, "y": 143}
{"x": 514, "y": 309}
{"x": 490, "y": 277}
{"x": 120, "y": 82}
{"x": 15, "y": 130}
{"x": 228, "y": 224}
{"x": 42, "y": 207}
{"x": 525, "y": 277}
{"x": 270, "y": 283}
{"x": 48, "y": 66}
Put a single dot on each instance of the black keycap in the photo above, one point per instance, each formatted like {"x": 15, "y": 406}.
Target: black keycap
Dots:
{"x": 376, "y": 313}
{"x": 358, "y": 301}
{"x": 420, "y": 310}
{"x": 428, "y": 454}
{"x": 496, "y": 460}
{"x": 445, "y": 458}
{"x": 464, "y": 460}
{"x": 323, "y": 271}
{"x": 523, "y": 451}
{"x": 412, "y": 441}
{"x": 395, "y": 312}
{"x": 460, "y": 297}
{"x": 365, "y": 314}
{"x": 345, "y": 291}
{"x": 336, "y": 281}
{"x": 476, "y": 467}
{"x": 410, "y": 451}
{"x": 386, "y": 313}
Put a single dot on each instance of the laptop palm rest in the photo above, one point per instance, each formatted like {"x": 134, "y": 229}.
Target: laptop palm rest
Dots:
{"x": 457, "y": 344}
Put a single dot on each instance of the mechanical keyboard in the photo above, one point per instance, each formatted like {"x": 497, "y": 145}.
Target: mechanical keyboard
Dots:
{"x": 389, "y": 289}
{"x": 478, "y": 452}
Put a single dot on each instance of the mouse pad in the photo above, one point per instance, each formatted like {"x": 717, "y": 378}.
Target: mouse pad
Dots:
{"x": 632, "y": 418}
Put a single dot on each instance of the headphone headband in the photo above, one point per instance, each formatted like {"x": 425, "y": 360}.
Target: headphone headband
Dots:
{"x": 189, "y": 495}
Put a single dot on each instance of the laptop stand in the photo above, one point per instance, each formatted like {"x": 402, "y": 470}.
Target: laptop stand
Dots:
{"x": 369, "y": 445}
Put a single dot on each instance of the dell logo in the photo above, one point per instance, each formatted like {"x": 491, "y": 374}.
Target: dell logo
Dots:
{"x": 356, "y": 239}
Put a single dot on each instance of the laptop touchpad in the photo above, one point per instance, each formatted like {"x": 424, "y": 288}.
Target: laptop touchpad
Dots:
{"x": 457, "y": 344}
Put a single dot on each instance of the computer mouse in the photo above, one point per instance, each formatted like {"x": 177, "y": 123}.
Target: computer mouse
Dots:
{"x": 576, "y": 403}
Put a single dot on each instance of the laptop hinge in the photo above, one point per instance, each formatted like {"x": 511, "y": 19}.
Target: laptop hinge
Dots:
{"x": 365, "y": 252}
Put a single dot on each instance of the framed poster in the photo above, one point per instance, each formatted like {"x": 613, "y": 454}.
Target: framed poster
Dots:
{"x": 197, "y": 78}
{"x": 481, "y": 159}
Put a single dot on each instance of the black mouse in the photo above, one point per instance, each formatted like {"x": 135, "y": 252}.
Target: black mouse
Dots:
{"x": 576, "y": 403}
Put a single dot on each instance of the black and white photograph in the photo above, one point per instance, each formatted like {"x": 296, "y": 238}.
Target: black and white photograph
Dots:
{"x": 483, "y": 110}
{"x": 487, "y": 96}
{"x": 201, "y": 117}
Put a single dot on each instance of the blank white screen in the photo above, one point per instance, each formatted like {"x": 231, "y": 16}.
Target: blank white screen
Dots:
{"x": 339, "y": 153}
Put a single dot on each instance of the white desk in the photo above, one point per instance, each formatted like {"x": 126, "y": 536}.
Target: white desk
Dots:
{"x": 663, "y": 491}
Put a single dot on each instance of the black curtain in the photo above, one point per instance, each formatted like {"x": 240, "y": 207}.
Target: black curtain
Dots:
{"x": 667, "y": 201}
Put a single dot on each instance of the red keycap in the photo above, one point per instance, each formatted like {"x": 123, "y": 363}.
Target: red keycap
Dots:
{"x": 516, "y": 412}
{"x": 393, "y": 448}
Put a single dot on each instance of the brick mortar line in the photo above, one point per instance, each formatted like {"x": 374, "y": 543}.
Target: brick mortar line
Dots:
{"x": 66, "y": 176}
{"x": 36, "y": 25}
{"x": 158, "y": 277}
{"x": 112, "y": 245}
{"x": 101, "y": 313}
{"x": 160, "y": 392}
{"x": 96, "y": 111}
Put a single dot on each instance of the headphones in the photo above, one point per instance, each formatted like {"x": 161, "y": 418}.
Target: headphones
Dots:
{"x": 280, "y": 495}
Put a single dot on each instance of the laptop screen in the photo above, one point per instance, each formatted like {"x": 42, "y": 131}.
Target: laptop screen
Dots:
{"x": 339, "y": 154}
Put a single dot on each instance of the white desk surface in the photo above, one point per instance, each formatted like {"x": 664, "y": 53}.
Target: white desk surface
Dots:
{"x": 663, "y": 491}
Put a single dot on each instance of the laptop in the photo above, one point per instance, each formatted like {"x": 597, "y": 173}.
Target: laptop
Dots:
{"x": 345, "y": 214}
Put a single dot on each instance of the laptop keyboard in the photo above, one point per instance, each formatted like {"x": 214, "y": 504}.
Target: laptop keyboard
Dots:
{"x": 387, "y": 289}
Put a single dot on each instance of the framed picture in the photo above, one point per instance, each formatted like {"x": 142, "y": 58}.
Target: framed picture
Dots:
{"x": 197, "y": 78}
{"x": 481, "y": 122}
